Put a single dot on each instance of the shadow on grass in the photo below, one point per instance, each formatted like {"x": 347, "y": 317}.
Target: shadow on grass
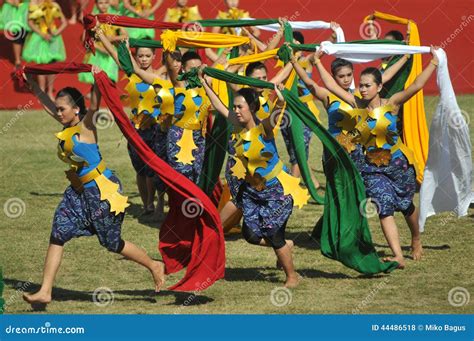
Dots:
{"x": 136, "y": 211}
{"x": 301, "y": 239}
{"x": 425, "y": 247}
{"x": 62, "y": 295}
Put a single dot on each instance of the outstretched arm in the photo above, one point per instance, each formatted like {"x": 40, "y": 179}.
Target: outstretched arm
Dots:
{"x": 401, "y": 97}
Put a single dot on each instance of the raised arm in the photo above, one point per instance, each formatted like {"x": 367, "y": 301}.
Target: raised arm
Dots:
{"x": 330, "y": 83}
{"x": 260, "y": 44}
{"x": 393, "y": 69}
{"x": 282, "y": 74}
{"x": 44, "y": 99}
{"x": 276, "y": 38}
{"x": 401, "y": 97}
{"x": 317, "y": 91}
{"x": 106, "y": 42}
{"x": 215, "y": 100}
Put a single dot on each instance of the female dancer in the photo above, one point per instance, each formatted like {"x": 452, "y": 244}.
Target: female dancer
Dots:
{"x": 101, "y": 58}
{"x": 261, "y": 197}
{"x": 14, "y": 20}
{"x": 93, "y": 203}
{"x": 182, "y": 13}
{"x": 45, "y": 44}
{"x": 388, "y": 173}
{"x": 147, "y": 119}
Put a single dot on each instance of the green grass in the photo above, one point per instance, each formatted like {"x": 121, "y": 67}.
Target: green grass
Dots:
{"x": 31, "y": 171}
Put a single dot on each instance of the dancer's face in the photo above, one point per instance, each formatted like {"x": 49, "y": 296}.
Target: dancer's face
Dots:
{"x": 192, "y": 63}
{"x": 102, "y": 5}
{"x": 144, "y": 57}
{"x": 232, "y": 3}
{"x": 67, "y": 112}
{"x": 344, "y": 76}
{"x": 260, "y": 74}
{"x": 182, "y": 3}
{"x": 368, "y": 87}
{"x": 242, "y": 110}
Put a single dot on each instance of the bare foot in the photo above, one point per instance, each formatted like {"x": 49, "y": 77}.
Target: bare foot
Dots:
{"x": 400, "y": 261}
{"x": 416, "y": 248}
{"x": 158, "y": 272}
{"x": 292, "y": 281}
{"x": 291, "y": 245}
{"x": 38, "y": 301}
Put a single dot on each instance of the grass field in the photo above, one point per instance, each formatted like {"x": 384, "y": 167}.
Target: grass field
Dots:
{"x": 31, "y": 172}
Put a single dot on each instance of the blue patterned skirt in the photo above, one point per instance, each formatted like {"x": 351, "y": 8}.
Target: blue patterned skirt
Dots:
{"x": 192, "y": 171}
{"x": 265, "y": 212}
{"x": 150, "y": 136}
{"x": 160, "y": 150}
{"x": 84, "y": 214}
{"x": 392, "y": 187}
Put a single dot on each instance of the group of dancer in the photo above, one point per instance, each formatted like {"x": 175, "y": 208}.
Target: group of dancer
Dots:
{"x": 172, "y": 113}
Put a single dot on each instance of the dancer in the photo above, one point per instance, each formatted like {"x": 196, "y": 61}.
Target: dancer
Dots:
{"x": 101, "y": 58}
{"x": 45, "y": 44}
{"x": 14, "y": 17}
{"x": 93, "y": 204}
{"x": 388, "y": 173}
{"x": 147, "y": 120}
{"x": 261, "y": 197}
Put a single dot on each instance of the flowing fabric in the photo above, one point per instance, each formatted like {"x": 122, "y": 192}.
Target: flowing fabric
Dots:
{"x": 448, "y": 172}
{"x": 415, "y": 128}
{"x": 171, "y": 39}
{"x": 346, "y": 235}
{"x": 306, "y": 25}
{"x": 364, "y": 52}
{"x": 192, "y": 234}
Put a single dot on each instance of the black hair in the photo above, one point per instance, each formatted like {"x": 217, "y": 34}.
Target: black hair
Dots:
{"x": 189, "y": 55}
{"x": 375, "y": 73}
{"x": 176, "y": 55}
{"x": 75, "y": 99}
{"x": 397, "y": 35}
{"x": 251, "y": 97}
{"x": 298, "y": 36}
{"x": 254, "y": 66}
{"x": 338, "y": 63}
